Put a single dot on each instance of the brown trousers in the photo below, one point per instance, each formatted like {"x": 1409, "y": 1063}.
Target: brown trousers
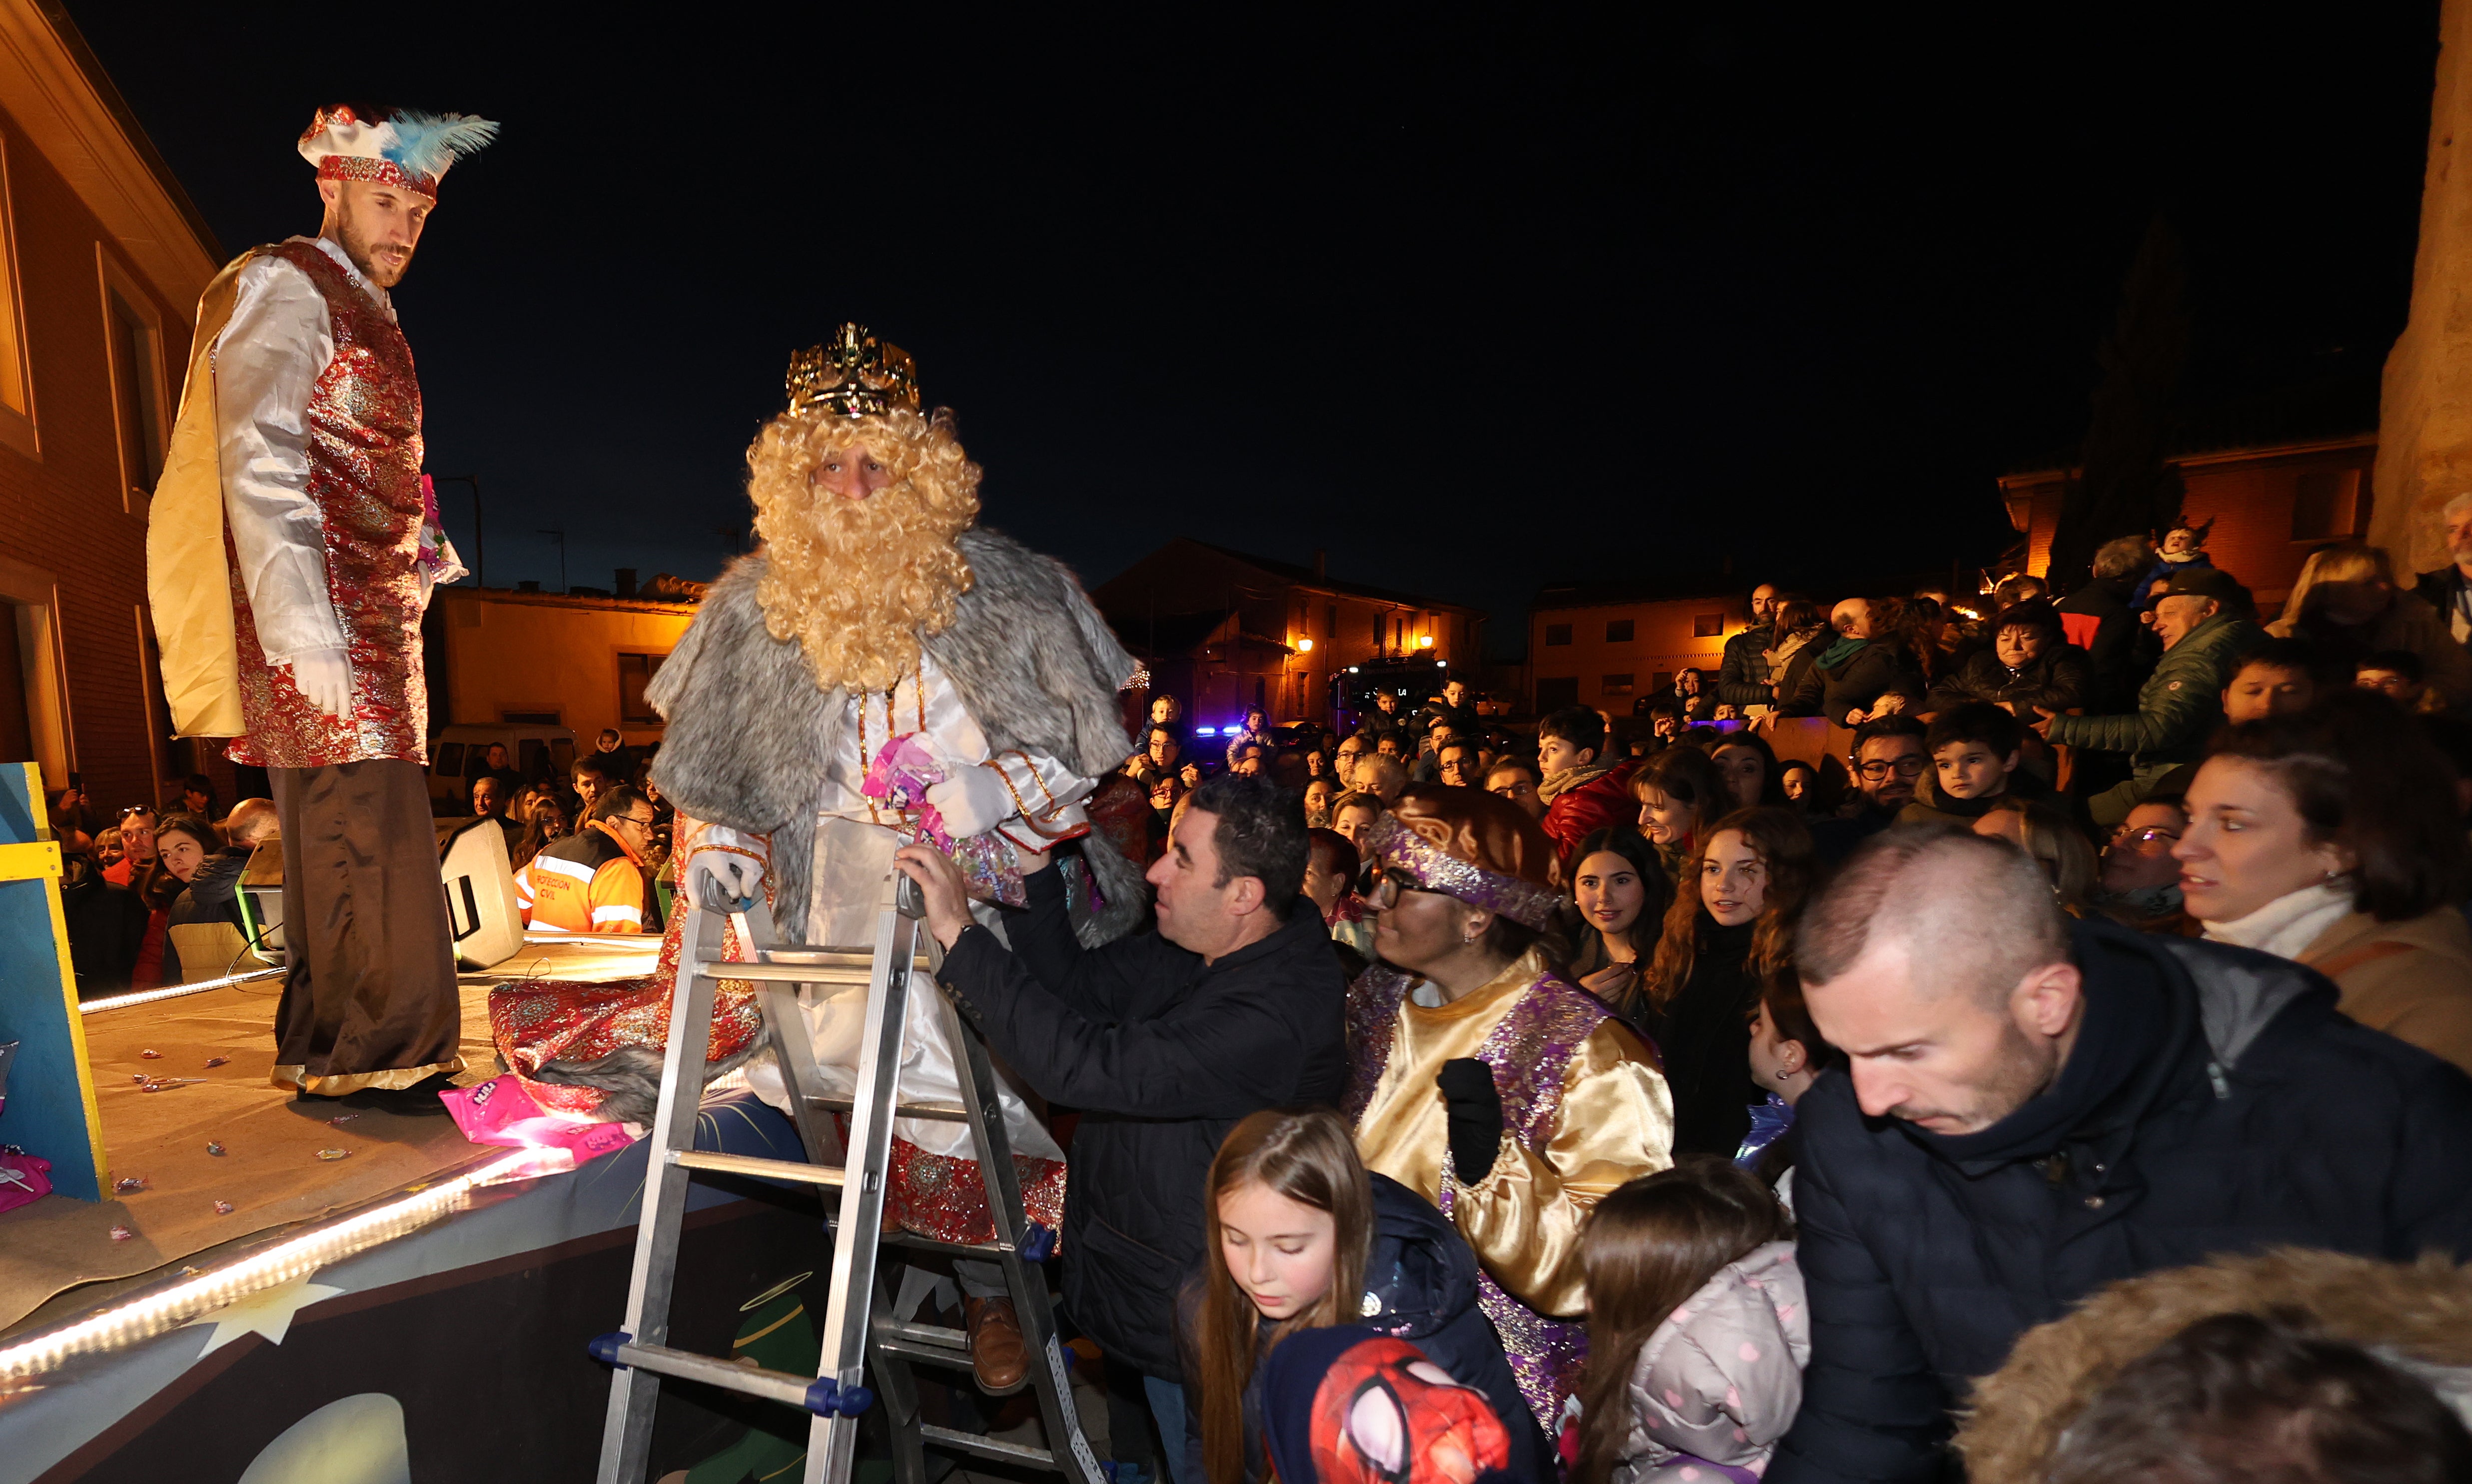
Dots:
{"x": 370, "y": 1001}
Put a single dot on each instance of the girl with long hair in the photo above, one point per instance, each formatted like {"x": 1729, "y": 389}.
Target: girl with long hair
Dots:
{"x": 1303, "y": 1237}
{"x": 1680, "y": 794}
{"x": 1697, "y": 1328}
{"x": 1729, "y": 928}
{"x": 1622, "y": 893}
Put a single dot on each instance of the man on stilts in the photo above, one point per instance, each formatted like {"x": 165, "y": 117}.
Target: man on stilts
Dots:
{"x": 291, "y": 551}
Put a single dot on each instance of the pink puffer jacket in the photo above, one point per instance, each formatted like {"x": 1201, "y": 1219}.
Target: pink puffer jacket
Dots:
{"x": 1720, "y": 1381}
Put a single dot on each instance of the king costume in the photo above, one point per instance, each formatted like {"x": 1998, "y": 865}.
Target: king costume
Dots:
{"x": 883, "y": 672}
{"x": 1582, "y": 1105}
{"x": 292, "y": 548}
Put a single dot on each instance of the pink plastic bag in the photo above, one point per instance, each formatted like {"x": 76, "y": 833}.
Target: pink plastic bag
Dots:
{"x": 24, "y": 1179}
{"x": 503, "y": 1111}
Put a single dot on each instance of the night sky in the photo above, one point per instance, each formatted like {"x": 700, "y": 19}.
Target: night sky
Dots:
{"x": 1475, "y": 303}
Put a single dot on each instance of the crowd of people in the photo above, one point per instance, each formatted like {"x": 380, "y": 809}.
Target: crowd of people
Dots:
{"x": 1760, "y": 1105}
{"x": 129, "y": 879}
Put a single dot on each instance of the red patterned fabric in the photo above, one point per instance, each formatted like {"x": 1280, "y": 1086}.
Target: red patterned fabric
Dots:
{"x": 363, "y": 422}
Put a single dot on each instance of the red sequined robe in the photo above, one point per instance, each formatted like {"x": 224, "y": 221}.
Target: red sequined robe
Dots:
{"x": 539, "y": 1021}
{"x": 364, "y": 452}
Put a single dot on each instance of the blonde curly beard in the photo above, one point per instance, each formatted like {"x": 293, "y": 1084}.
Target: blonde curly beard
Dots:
{"x": 858, "y": 583}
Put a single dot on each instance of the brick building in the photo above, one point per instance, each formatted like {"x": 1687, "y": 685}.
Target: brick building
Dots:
{"x": 1222, "y": 630}
{"x": 1608, "y": 645}
{"x": 2273, "y": 503}
{"x": 101, "y": 260}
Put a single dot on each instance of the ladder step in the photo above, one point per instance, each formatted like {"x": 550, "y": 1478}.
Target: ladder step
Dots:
{"x": 819, "y": 1396}
{"x": 780, "y": 973}
{"x": 762, "y": 1170}
{"x": 986, "y": 1446}
{"x": 942, "y": 1112}
{"x": 924, "y": 1333}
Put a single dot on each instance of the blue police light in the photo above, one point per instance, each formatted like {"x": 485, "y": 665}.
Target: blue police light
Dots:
{"x": 1205, "y": 731}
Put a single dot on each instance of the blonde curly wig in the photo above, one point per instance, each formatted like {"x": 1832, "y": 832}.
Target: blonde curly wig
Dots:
{"x": 858, "y": 583}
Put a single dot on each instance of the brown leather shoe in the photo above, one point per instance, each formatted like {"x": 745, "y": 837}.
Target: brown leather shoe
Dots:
{"x": 998, "y": 1357}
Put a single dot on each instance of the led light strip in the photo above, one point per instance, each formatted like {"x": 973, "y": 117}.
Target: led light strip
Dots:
{"x": 175, "y": 991}
{"x": 155, "y": 1313}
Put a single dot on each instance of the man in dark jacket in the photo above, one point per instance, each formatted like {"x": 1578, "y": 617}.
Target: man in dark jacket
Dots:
{"x": 1162, "y": 1039}
{"x": 1743, "y": 679}
{"x": 2449, "y": 589}
{"x": 2034, "y": 1108}
{"x": 2101, "y": 622}
{"x": 1888, "y": 764}
{"x": 105, "y": 925}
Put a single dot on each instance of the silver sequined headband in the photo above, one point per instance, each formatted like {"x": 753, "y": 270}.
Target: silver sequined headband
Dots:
{"x": 1435, "y": 869}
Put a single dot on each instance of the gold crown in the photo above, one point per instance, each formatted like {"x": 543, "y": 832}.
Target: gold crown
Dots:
{"x": 855, "y": 375}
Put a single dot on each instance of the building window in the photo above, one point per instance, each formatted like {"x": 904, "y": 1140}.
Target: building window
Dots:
{"x": 2324, "y": 505}
{"x": 1619, "y": 630}
{"x": 1614, "y": 688}
{"x": 1707, "y": 625}
{"x": 1557, "y": 692}
{"x": 1557, "y": 633}
{"x": 16, "y": 386}
{"x": 133, "y": 336}
{"x": 636, "y": 672}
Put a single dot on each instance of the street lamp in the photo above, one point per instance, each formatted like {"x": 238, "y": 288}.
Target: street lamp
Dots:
{"x": 1304, "y": 647}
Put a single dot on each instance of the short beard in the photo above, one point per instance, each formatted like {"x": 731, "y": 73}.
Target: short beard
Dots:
{"x": 356, "y": 246}
{"x": 2023, "y": 1072}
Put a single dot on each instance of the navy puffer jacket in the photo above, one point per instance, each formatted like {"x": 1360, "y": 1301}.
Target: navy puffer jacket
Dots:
{"x": 2214, "y": 1102}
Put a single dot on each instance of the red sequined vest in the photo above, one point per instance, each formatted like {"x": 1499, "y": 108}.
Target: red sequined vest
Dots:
{"x": 364, "y": 425}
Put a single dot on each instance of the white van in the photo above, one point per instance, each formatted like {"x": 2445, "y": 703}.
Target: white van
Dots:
{"x": 458, "y": 754}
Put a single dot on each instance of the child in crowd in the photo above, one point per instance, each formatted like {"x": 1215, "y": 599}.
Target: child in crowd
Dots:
{"x": 1697, "y": 1329}
{"x": 1303, "y": 1236}
{"x": 1788, "y": 1054}
{"x": 2184, "y": 547}
{"x": 2400, "y": 676}
{"x": 1975, "y": 750}
{"x": 1330, "y": 884}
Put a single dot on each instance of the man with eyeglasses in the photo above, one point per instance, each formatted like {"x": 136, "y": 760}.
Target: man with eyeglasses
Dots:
{"x": 1888, "y": 761}
{"x": 593, "y": 879}
{"x": 2141, "y": 880}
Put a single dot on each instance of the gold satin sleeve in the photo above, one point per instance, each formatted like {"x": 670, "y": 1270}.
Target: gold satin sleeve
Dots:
{"x": 1615, "y": 1123}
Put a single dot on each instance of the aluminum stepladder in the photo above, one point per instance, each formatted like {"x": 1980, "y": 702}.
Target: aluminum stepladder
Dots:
{"x": 859, "y": 1331}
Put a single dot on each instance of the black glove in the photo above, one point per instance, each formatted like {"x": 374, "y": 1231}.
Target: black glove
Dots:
{"x": 1474, "y": 1117}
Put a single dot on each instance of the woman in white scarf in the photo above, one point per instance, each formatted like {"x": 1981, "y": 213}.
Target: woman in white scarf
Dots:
{"x": 2334, "y": 839}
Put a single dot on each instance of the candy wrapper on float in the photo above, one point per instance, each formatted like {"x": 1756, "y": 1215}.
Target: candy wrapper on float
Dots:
{"x": 899, "y": 777}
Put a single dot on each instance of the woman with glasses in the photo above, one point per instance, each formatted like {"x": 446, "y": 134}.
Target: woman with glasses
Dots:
{"x": 1547, "y": 1099}
{"x": 2139, "y": 884}
{"x": 2329, "y": 837}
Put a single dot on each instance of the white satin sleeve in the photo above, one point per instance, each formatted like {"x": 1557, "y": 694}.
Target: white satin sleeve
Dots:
{"x": 266, "y": 364}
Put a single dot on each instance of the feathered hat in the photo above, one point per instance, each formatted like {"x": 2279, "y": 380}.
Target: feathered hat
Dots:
{"x": 398, "y": 146}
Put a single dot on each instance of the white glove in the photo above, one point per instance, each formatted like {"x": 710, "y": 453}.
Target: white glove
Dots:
{"x": 971, "y": 801}
{"x": 323, "y": 680}
{"x": 739, "y": 878}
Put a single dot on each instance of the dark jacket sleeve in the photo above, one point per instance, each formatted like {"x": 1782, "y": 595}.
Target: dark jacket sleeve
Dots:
{"x": 2067, "y": 682}
{"x": 1808, "y": 693}
{"x": 1206, "y": 1058}
{"x": 1872, "y": 1408}
{"x": 1095, "y": 982}
{"x": 2432, "y": 1186}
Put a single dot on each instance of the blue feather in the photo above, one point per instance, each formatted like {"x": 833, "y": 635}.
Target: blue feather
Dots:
{"x": 427, "y": 143}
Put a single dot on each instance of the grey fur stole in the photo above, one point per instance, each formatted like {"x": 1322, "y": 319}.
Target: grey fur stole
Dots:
{"x": 750, "y": 729}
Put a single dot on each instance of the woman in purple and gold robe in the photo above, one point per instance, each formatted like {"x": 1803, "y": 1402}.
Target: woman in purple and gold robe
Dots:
{"x": 1488, "y": 1082}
